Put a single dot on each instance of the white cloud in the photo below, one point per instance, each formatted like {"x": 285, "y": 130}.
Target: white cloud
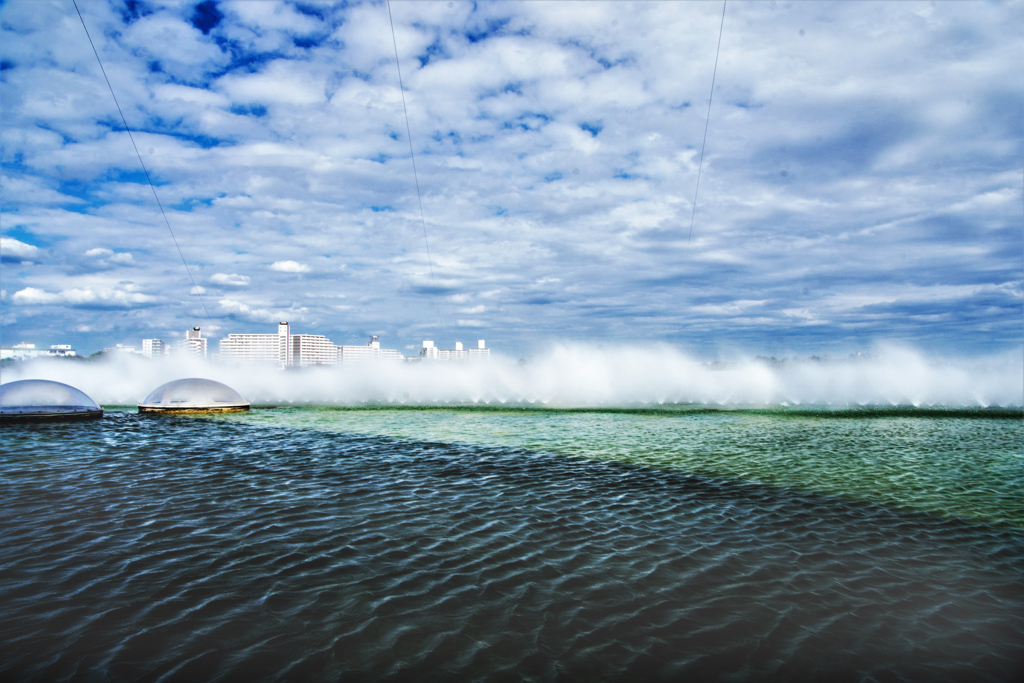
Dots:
{"x": 199, "y": 96}
{"x": 289, "y": 267}
{"x": 271, "y": 15}
{"x": 83, "y": 297}
{"x": 105, "y": 257}
{"x": 34, "y": 191}
{"x": 557, "y": 150}
{"x": 31, "y": 295}
{"x": 260, "y": 315}
{"x": 124, "y": 258}
{"x": 12, "y": 247}
{"x": 232, "y": 280}
{"x": 281, "y": 82}
{"x": 730, "y": 308}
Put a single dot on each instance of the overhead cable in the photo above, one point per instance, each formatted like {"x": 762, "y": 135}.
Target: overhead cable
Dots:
{"x": 415, "y": 175}
{"x": 195, "y": 287}
{"x": 707, "y": 120}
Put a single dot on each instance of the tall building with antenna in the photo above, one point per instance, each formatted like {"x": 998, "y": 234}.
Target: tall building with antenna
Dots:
{"x": 259, "y": 348}
{"x": 194, "y": 342}
{"x": 285, "y": 349}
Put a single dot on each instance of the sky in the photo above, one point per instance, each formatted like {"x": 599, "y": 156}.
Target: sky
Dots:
{"x": 862, "y": 178}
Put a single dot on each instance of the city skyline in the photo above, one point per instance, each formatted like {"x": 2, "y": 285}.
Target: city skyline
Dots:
{"x": 308, "y": 349}
{"x": 861, "y": 182}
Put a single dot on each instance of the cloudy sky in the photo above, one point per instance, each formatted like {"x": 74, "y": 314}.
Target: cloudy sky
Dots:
{"x": 862, "y": 179}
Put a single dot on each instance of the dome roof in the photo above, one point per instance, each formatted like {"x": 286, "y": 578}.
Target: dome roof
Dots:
{"x": 42, "y": 399}
{"x": 193, "y": 395}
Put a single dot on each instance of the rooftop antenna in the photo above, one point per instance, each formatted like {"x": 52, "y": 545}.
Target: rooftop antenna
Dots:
{"x": 131, "y": 137}
{"x": 714, "y": 73}
{"x": 415, "y": 175}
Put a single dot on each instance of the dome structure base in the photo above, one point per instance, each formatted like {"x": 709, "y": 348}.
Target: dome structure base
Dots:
{"x": 179, "y": 411}
{"x": 41, "y": 415}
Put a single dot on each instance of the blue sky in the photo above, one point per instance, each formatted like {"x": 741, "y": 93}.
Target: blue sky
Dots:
{"x": 862, "y": 181}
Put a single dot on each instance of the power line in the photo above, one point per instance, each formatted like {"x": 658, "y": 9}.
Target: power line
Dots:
{"x": 700, "y": 165}
{"x": 143, "y": 164}
{"x": 415, "y": 175}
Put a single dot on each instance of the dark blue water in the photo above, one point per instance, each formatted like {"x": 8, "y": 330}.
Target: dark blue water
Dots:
{"x": 191, "y": 549}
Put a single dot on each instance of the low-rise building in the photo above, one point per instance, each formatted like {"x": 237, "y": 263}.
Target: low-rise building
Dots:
{"x": 121, "y": 348}
{"x": 26, "y": 350}
{"x": 431, "y": 352}
{"x": 22, "y": 351}
{"x": 349, "y": 356}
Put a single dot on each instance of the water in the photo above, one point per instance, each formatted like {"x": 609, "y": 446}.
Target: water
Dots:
{"x": 318, "y": 544}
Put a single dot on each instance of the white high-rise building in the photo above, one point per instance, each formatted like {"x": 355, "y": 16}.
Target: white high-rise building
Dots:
{"x": 259, "y": 348}
{"x": 299, "y": 350}
{"x": 194, "y": 342}
{"x": 312, "y": 349}
{"x": 429, "y": 351}
{"x": 284, "y": 333}
{"x": 154, "y": 348}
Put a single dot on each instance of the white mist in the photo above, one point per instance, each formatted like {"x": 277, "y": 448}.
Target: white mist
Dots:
{"x": 576, "y": 376}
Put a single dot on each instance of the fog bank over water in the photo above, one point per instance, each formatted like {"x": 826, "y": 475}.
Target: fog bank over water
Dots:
{"x": 574, "y": 376}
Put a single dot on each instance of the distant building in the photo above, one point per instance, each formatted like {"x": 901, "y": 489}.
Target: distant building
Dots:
{"x": 25, "y": 350}
{"x": 430, "y": 352}
{"x": 349, "y": 356}
{"x": 285, "y": 349}
{"x": 312, "y": 349}
{"x": 259, "y": 348}
{"x": 479, "y": 353}
{"x": 194, "y": 342}
{"x": 154, "y": 348}
{"x": 121, "y": 348}
{"x": 22, "y": 351}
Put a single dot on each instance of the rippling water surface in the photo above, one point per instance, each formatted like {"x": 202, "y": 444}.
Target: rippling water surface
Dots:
{"x": 318, "y": 544}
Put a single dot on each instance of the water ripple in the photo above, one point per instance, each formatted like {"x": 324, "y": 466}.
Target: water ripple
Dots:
{"x": 187, "y": 549}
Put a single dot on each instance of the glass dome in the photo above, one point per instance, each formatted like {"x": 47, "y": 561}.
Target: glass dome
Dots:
{"x": 42, "y": 399}
{"x": 193, "y": 395}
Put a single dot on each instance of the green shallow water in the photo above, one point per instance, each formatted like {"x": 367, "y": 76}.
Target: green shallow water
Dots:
{"x": 956, "y": 463}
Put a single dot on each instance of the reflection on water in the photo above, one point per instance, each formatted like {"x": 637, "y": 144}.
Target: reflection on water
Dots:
{"x": 275, "y": 546}
{"x": 964, "y": 463}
